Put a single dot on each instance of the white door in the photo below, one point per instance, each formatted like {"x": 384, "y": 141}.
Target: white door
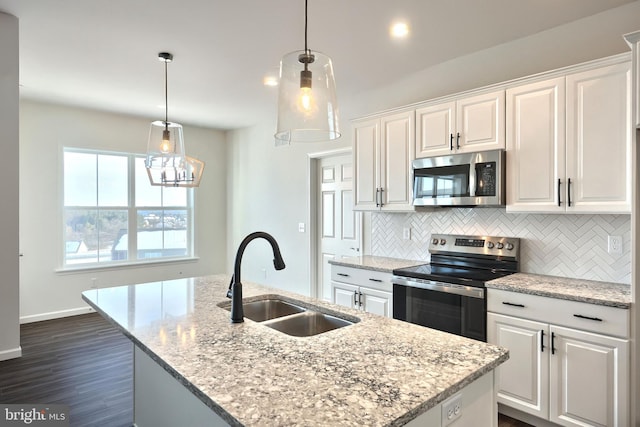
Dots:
{"x": 589, "y": 379}
{"x": 522, "y": 382}
{"x": 338, "y": 224}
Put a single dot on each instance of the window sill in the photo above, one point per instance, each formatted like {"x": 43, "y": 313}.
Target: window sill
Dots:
{"x": 124, "y": 265}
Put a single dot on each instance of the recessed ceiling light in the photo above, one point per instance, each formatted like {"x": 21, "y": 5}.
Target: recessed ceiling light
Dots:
{"x": 270, "y": 81}
{"x": 399, "y": 30}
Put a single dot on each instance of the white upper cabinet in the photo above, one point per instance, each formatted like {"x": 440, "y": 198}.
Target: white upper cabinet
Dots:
{"x": 535, "y": 146}
{"x": 599, "y": 140}
{"x": 469, "y": 124}
{"x": 633, "y": 39}
{"x": 383, "y": 150}
{"x": 569, "y": 143}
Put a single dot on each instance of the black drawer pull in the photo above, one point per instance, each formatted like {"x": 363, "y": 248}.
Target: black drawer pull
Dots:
{"x": 513, "y": 305}
{"x": 376, "y": 280}
{"x": 580, "y": 316}
{"x": 343, "y": 274}
{"x": 553, "y": 343}
{"x": 542, "y": 340}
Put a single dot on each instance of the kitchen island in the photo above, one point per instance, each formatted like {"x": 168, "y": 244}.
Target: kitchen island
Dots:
{"x": 191, "y": 362}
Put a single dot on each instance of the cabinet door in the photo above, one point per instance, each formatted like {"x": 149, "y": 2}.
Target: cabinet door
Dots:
{"x": 480, "y": 122}
{"x": 366, "y": 163}
{"x": 522, "y": 382}
{"x": 536, "y": 147}
{"x": 599, "y": 139}
{"x": 589, "y": 379}
{"x": 344, "y": 294}
{"x": 377, "y": 302}
{"x": 396, "y": 156}
{"x": 434, "y": 129}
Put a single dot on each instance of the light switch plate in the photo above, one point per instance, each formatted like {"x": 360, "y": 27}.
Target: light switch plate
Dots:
{"x": 301, "y": 227}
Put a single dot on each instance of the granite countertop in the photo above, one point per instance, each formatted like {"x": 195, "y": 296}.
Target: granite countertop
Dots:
{"x": 378, "y": 372}
{"x": 376, "y": 263}
{"x": 589, "y": 291}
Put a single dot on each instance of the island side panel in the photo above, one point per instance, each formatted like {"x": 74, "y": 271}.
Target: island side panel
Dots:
{"x": 160, "y": 400}
{"x": 477, "y": 402}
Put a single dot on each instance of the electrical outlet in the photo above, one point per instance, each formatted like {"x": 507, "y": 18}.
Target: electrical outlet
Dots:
{"x": 406, "y": 233}
{"x": 451, "y": 409}
{"x": 614, "y": 245}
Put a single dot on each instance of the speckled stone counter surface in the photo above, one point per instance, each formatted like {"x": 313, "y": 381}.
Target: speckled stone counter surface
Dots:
{"x": 377, "y": 372}
{"x": 589, "y": 291}
{"x": 375, "y": 263}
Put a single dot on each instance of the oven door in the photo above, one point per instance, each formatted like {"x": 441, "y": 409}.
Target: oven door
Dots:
{"x": 460, "y": 310}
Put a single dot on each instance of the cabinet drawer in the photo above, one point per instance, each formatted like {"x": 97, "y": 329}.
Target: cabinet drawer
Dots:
{"x": 362, "y": 277}
{"x": 574, "y": 314}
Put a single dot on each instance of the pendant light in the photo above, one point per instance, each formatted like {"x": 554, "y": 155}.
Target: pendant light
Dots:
{"x": 166, "y": 162}
{"x": 307, "y": 103}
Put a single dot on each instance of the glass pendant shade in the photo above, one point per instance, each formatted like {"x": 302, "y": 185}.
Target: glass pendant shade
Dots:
{"x": 187, "y": 175}
{"x": 166, "y": 163}
{"x": 307, "y": 103}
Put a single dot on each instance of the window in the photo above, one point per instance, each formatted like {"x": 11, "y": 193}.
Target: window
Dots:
{"x": 113, "y": 215}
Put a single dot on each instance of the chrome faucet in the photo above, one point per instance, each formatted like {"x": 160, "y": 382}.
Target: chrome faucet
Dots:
{"x": 235, "y": 287}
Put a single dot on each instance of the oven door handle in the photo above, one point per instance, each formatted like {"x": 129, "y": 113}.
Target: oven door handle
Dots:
{"x": 431, "y": 285}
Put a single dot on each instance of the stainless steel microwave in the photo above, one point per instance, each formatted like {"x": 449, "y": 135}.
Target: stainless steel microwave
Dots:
{"x": 468, "y": 179}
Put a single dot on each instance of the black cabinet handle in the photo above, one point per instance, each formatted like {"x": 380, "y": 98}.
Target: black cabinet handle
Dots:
{"x": 458, "y": 141}
{"x": 559, "y": 200}
{"x": 376, "y": 280}
{"x": 553, "y": 343}
{"x": 451, "y": 142}
{"x": 569, "y": 192}
{"x": 355, "y": 298}
{"x": 377, "y": 197}
{"x": 343, "y": 275}
{"x": 580, "y": 316}
{"x": 512, "y": 304}
{"x": 381, "y": 197}
{"x": 542, "y": 340}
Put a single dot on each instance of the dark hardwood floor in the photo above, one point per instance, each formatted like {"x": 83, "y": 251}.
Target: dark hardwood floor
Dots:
{"x": 79, "y": 361}
{"x": 85, "y": 363}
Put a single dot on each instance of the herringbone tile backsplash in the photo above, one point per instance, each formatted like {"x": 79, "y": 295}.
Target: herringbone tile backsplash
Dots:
{"x": 557, "y": 245}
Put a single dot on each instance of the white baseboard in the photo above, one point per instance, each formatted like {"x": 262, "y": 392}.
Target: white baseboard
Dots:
{"x": 10, "y": 354}
{"x": 56, "y": 314}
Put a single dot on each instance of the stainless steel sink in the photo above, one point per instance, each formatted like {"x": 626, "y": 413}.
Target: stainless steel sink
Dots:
{"x": 267, "y": 309}
{"x": 307, "y": 324}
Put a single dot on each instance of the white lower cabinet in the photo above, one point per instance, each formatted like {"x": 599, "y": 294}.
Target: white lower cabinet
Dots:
{"x": 362, "y": 289}
{"x": 568, "y": 376}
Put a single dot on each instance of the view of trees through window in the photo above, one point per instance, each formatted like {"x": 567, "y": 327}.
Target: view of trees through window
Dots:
{"x": 106, "y": 219}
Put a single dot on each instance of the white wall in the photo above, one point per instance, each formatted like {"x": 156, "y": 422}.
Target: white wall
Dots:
{"x": 274, "y": 179}
{"x": 9, "y": 265}
{"x": 44, "y": 130}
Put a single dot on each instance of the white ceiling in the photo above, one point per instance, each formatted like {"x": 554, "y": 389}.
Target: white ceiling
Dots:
{"x": 103, "y": 53}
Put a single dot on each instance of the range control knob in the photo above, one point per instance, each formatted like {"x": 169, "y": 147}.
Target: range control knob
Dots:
{"x": 434, "y": 241}
{"x": 443, "y": 242}
{"x": 499, "y": 245}
{"x": 490, "y": 245}
{"x": 509, "y": 246}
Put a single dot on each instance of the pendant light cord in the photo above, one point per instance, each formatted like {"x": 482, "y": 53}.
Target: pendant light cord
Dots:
{"x": 306, "y": 50}
{"x": 166, "y": 97}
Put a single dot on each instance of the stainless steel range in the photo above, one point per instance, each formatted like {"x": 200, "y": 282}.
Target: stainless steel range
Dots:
{"x": 449, "y": 293}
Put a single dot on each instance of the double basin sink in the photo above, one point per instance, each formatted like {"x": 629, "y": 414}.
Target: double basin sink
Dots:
{"x": 291, "y": 317}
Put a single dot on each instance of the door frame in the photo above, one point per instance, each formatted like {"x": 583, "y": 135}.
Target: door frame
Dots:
{"x": 313, "y": 160}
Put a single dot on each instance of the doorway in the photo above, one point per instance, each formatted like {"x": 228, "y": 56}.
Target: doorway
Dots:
{"x": 336, "y": 229}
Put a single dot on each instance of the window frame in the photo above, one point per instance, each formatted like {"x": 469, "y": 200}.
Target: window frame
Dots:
{"x": 132, "y": 213}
